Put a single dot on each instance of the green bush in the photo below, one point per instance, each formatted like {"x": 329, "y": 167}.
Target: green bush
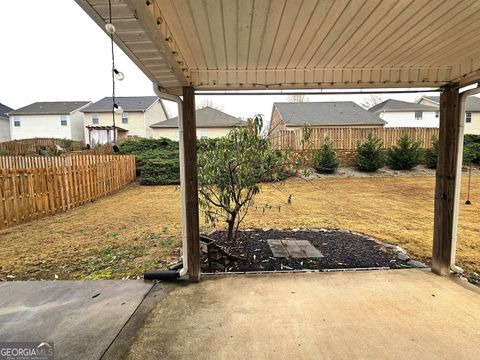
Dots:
{"x": 471, "y": 149}
{"x": 405, "y": 155}
{"x": 160, "y": 172}
{"x": 157, "y": 160}
{"x": 370, "y": 155}
{"x": 67, "y": 144}
{"x": 325, "y": 159}
{"x": 281, "y": 172}
{"x": 431, "y": 155}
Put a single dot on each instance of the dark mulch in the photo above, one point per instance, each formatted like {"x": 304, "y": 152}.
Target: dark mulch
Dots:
{"x": 341, "y": 250}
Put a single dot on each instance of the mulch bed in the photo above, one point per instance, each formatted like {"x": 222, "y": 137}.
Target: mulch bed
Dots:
{"x": 341, "y": 250}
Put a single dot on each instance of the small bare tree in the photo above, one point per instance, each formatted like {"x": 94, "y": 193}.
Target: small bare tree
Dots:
{"x": 297, "y": 98}
{"x": 230, "y": 170}
{"x": 372, "y": 100}
{"x": 210, "y": 103}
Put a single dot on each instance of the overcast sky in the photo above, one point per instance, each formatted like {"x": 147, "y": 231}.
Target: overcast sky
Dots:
{"x": 53, "y": 51}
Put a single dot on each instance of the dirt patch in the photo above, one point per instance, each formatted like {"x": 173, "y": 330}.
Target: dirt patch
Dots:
{"x": 339, "y": 250}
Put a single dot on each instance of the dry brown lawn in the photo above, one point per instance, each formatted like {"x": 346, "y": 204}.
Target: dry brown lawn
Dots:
{"x": 138, "y": 227}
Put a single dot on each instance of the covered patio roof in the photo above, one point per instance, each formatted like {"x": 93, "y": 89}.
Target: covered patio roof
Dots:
{"x": 187, "y": 45}
{"x": 287, "y": 44}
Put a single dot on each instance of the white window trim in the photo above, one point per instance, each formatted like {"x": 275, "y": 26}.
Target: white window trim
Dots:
{"x": 468, "y": 115}
{"x": 95, "y": 117}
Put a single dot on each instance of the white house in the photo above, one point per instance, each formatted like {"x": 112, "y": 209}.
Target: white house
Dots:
{"x": 405, "y": 114}
{"x": 60, "y": 119}
{"x": 211, "y": 123}
{"x": 139, "y": 112}
{"x": 4, "y": 123}
{"x": 472, "y": 111}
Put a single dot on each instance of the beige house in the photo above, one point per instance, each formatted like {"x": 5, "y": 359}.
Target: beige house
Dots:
{"x": 472, "y": 111}
{"x": 139, "y": 112}
{"x": 290, "y": 115}
{"x": 211, "y": 123}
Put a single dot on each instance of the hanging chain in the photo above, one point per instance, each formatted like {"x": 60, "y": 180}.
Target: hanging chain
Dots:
{"x": 113, "y": 75}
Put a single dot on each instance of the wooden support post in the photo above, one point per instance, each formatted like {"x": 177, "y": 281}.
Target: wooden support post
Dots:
{"x": 446, "y": 179}
{"x": 191, "y": 183}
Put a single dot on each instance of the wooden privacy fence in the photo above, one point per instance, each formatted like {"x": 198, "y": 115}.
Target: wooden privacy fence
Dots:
{"x": 20, "y": 147}
{"x": 346, "y": 138}
{"x": 34, "y": 187}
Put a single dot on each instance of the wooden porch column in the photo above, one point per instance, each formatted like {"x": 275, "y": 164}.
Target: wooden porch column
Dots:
{"x": 191, "y": 183}
{"x": 446, "y": 177}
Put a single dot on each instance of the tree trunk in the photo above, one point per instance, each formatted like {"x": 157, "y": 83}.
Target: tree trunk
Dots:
{"x": 231, "y": 227}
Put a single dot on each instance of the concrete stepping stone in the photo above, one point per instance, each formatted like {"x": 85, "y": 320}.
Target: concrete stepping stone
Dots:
{"x": 293, "y": 248}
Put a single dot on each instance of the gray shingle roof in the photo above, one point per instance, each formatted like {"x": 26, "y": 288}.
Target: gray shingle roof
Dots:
{"x": 50, "y": 108}
{"x": 392, "y": 105}
{"x": 4, "y": 109}
{"x": 432, "y": 98}
{"x": 337, "y": 113}
{"x": 128, "y": 103}
{"x": 207, "y": 117}
{"x": 472, "y": 103}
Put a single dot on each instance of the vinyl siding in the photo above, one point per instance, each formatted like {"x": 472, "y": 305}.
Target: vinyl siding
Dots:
{"x": 407, "y": 119}
{"x": 474, "y": 126}
{"x": 153, "y": 115}
{"x": 171, "y": 133}
{"x": 32, "y": 126}
{"x": 135, "y": 126}
{"x": 4, "y": 129}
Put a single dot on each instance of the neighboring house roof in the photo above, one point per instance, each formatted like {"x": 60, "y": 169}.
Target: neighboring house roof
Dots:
{"x": 207, "y": 117}
{"x": 472, "y": 103}
{"x": 4, "y": 109}
{"x": 128, "y": 103}
{"x": 392, "y": 105}
{"x": 338, "y": 113}
{"x": 50, "y": 108}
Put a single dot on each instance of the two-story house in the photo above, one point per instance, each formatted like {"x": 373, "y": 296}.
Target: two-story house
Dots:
{"x": 472, "y": 111}
{"x": 4, "y": 123}
{"x": 139, "y": 112}
{"x": 406, "y": 114}
{"x": 59, "y": 119}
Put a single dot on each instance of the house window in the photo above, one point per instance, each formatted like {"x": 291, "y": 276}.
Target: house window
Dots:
{"x": 124, "y": 118}
{"x": 203, "y": 134}
{"x": 95, "y": 118}
{"x": 418, "y": 115}
{"x": 16, "y": 121}
{"x": 63, "y": 120}
{"x": 468, "y": 117}
{"x": 437, "y": 114}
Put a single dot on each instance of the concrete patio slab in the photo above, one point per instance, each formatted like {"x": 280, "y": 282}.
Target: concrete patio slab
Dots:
{"x": 82, "y": 318}
{"x": 392, "y": 314}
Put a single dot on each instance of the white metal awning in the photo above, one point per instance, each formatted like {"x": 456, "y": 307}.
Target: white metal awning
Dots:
{"x": 288, "y": 44}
